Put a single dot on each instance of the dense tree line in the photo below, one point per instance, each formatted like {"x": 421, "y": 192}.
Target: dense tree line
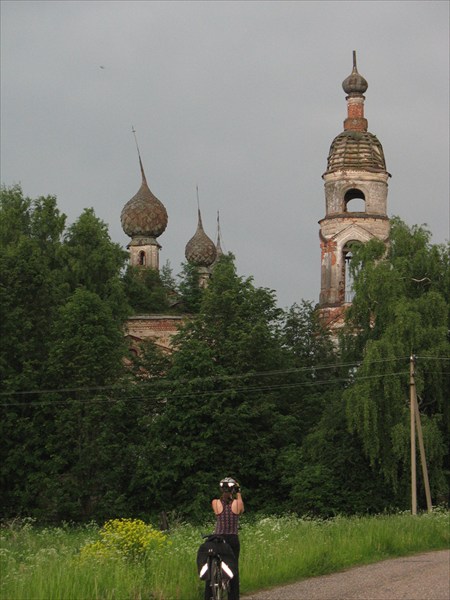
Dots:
{"x": 265, "y": 395}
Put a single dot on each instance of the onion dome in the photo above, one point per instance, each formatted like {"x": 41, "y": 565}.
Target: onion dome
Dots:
{"x": 356, "y": 150}
{"x": 354, "y": 83}
{"x": 200, "y": 250}
{"x": 144, "y": 215}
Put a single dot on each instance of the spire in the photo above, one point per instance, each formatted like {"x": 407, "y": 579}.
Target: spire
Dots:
{"x": 200, "y": 224}
{"x": 355, "y": 85}
{"x": 219, "y": 251}
{"x": 144, "y": 180}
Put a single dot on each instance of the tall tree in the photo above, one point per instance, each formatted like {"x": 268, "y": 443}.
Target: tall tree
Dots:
{"x": 31, "y": 290}
{"x": 219, "y": 414}
{"x": 63, "y": 306}
{"x": 328, "y": 473}
{"x": 400, "y": 308}
{"x": 86, "y": 462}
{"x": 94, "y": 262}
{"x": 312, "y": 359}
{"x": 145, "y": 291}
{"x": 32, "y": 284}
{"x": 189, "y": 288}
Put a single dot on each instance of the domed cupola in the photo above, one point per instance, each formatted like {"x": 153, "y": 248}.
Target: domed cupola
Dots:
{"x": 200, "y": 249}
{"x": 354, "y": 83}
{"x": 355, "y": 148}
{"x": 144, "y": 218}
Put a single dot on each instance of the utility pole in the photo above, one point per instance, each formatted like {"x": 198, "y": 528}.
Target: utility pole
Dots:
{"x": 415, "y": 416}
{"x": 412, "y": 408}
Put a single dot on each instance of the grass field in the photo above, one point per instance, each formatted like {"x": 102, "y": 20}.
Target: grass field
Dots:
{"x": 48, "y": 563}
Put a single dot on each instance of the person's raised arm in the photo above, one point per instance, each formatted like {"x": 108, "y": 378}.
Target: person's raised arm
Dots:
{"x": 217, "y": 506}
{"x": 237, "y": 505}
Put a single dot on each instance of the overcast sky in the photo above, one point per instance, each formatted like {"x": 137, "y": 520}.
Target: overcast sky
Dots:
{"x": 242, "y": 99}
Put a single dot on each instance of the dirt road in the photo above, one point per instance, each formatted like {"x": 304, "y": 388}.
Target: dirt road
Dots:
{"x": 420, "y": 577}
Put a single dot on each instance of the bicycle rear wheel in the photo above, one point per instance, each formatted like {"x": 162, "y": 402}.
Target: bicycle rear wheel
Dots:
{"x": 218, "y": 588}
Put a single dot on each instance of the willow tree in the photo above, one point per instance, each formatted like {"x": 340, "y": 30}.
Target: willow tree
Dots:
{"x": 400, "y": 309}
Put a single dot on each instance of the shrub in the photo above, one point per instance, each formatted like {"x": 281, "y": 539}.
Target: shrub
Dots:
{"x": 124, "y": 539}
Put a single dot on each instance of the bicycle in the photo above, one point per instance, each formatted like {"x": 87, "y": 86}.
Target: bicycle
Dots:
{"x": 218, "y": 570}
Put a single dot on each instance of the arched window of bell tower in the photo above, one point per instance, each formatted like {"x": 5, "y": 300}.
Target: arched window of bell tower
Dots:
{"x": 142, "y": 258}
{"x": 354, "y": 201}
{"x": 348, "y": 274}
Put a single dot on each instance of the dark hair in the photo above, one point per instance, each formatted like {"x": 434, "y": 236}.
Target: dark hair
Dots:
{"x": 227, "y": 496}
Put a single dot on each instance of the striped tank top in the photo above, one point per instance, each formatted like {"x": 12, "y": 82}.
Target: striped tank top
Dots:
{"x": 227, "y": 522}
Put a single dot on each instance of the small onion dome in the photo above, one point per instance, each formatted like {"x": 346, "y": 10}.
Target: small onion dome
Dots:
{"x": 200, "y": 250}
{"x": 144, "y": 215}
{"x": 358, "y": 150}
{"x": 354, "y": 83}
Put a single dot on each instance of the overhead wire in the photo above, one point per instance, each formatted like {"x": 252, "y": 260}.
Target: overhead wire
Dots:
{"x": 165, "y": 385}
{"x": 216, "y": 377}
{"x": 164, "y": 395}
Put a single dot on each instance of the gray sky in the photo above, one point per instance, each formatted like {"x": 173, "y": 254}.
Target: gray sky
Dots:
{"x": 242, "y": 99}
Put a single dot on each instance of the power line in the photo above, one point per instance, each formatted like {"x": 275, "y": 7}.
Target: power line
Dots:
{"x": 165, "y": 385}
{"x": 199, "y": 379}
{"x": 207, "y": 393}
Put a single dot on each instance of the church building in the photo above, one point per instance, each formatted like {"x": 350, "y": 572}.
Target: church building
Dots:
{"x": 356, "y": 188}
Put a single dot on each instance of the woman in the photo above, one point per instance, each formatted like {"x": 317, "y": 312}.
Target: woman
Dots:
{"x": 227, "y": 509}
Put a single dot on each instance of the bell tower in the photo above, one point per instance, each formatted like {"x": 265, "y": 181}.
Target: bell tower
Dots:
{"x": 355, "y": 200}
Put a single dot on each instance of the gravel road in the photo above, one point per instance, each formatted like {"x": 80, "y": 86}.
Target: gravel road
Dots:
{"x": 420, "y": 577}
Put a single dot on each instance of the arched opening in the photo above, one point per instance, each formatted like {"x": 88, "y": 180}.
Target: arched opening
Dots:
{"x": 348, "y": 275}
{"x": 142, "y": 258}
{"x": 355, "y": 201}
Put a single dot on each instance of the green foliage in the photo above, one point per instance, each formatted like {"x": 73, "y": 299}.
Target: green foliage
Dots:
{"x": 31, "y": 284}
{"x": 189, "y": 288}
{"x": 238, "y": 321}
{"x": 311, "y": 357}
{"x": 400, "y": 308}
{"x": 213, "y": 401}
{"x": 130, "y": 539}
{"x": 328, "y": 474}
{"x": 167, "y": 278}
{"x": 150, "y": 362}
{"x": 63, "y": 306}
{"x": 88, "y": 344}
{"x": 145, "y": 291}
{"x": 94, "y": 262}
{"x": 305, "y": 338}
{"x": 15, "y": 215}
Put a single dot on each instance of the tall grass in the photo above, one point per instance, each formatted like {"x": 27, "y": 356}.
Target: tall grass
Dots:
{"x": 290, "y": 549}
{"x": 44, "y": 563}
